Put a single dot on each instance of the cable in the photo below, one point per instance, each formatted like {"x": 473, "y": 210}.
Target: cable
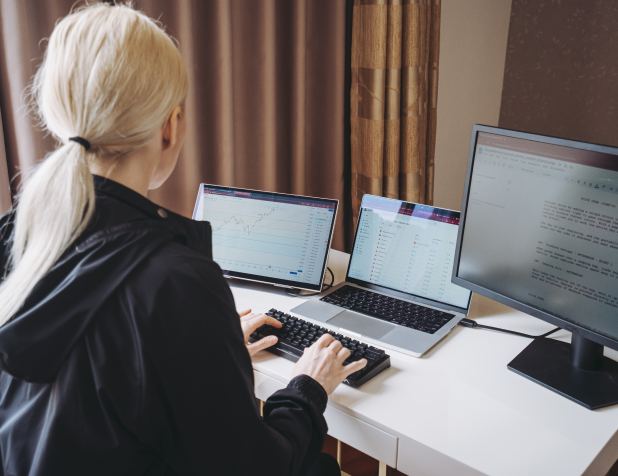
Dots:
{"x": 332, "y": 280}
{"x": 297, "y": 292}
{"x": 472, "y": 324}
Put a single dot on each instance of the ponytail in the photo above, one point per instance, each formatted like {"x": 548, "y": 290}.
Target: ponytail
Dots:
{"x": 116, "y": 98}
{"x": 54, "y": 209}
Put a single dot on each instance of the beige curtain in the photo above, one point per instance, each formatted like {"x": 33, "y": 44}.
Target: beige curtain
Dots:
{"x": 395, "y": 47}
{"x": 266, "y": 105}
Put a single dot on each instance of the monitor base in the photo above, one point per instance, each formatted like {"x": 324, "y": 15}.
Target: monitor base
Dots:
{"x": 552, "y": 364}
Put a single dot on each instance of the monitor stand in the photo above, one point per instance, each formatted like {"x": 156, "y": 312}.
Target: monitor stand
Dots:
{"x": 577, "y": 371}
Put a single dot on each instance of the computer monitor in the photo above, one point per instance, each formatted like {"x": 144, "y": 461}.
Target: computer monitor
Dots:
{"x": 539, "y": 233}
{"x": 268, "y": 237}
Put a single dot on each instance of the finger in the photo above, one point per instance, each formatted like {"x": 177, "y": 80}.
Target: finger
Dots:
{"x": 264, "y": 319}
{"x": 354, "y": 367}
{"x": 248, "y": 317}
{"x": 343, "y": 354}
{"x": 261, "y": 344}
{"x": 324, "y": 341}
{"x": 271, "y": 321}
{"x": 244, "y": 312}
{"x": 259, "y": 320}
{"x": 335, "y": 346}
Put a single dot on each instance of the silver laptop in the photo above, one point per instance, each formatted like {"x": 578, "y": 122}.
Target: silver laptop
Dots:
{"x": 397, "y": 292}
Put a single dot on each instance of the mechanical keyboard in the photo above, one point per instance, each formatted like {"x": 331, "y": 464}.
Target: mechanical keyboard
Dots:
{"x": 389, "y": 309}
{"x": 296, "y": 334}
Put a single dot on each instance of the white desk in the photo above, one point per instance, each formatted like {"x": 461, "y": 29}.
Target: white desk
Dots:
{"x": 457, "y": 410}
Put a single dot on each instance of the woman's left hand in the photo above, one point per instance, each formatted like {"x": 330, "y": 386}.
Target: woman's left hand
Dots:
{"x": 250, "y": 322}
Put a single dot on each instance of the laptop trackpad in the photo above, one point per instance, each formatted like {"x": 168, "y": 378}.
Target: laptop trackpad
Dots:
{"x": 318, "y": 310}
{"x": 360, "y": 324}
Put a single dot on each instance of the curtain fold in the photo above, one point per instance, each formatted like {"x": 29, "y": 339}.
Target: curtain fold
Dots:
{"x": 395, "y": 52}
{"x": 5, "y": 188}
{"x": 266, "y": 102}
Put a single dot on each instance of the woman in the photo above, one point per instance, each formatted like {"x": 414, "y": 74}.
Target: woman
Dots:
{"x": 120, "y": 348}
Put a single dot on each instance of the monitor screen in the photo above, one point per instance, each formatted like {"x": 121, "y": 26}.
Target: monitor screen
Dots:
{"x": 270, "y": 237}
{"x": 541, "y": 227}
{"x": 408, "y": 248}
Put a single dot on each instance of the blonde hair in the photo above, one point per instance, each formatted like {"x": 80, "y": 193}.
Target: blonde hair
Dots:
{"x": 112, "y": 76}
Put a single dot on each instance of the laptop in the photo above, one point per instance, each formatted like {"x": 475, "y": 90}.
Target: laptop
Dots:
{"x": 397, "y": 292}
{"x": 268, "y": 237}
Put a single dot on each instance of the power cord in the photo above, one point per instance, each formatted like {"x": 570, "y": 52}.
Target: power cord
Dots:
{"x": 464, "y": 322}
{"x": 332, "y": 280}
{"x": 472, "y": 324}
{"x": 297, "y": 292}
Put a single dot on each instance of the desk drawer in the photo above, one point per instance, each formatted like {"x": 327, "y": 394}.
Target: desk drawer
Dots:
{"x": 420, "y": 460}
{"x": 364, "y": 437}
{"x": 265, "y": 386}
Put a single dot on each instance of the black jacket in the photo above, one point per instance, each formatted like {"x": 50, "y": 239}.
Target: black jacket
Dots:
{"x": 128, "y": 359}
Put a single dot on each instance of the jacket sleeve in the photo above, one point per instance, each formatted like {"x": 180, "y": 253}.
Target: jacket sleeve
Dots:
{"x": 198, "y": 409}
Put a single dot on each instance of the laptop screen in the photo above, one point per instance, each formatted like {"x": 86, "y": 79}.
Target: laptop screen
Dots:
{"x": 408, "y": 248}
{"x": 269, "y": 237}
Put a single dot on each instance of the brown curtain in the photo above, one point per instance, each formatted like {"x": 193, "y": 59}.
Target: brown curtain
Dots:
{"x": 395, "y": 47}
{"x": 5, "y": 191}
{"x": 266, "y": 104}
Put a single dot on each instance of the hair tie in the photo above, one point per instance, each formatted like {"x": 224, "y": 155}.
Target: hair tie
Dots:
{"x": 81, "y": 141}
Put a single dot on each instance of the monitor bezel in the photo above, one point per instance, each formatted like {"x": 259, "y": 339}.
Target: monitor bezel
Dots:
{"x": 501, "y": 298}
{"x": 265, "y": 279}
{"x": 395, "y": 292}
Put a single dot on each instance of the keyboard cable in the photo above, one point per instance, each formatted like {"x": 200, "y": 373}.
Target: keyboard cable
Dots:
{"x": 473, "y": 324}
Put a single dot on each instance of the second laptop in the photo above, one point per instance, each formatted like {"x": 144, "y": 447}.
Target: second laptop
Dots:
{"x": 398, "y": 291}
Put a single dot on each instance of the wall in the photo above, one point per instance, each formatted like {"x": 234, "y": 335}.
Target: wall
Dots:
{"x": 473, "y": 39}
{"x": 561, "y": 74}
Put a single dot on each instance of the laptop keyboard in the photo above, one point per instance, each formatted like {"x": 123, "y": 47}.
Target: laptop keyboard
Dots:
{"x": 389, "y": 309}
{"x": 297, "y": 334}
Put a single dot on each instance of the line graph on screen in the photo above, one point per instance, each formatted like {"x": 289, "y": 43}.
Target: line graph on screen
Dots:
{"x": 241, "y": 227}
{"x": 282, "y": 238}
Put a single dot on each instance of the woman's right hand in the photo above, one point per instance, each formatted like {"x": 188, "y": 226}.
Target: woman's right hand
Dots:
{"x": 323, "y": 362}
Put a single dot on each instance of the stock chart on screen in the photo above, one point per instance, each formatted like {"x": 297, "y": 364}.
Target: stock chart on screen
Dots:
{"x": 275, "y": 236}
